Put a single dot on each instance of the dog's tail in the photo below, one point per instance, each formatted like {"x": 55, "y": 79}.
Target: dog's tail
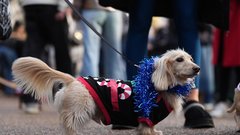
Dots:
{"x": 37, "y": 78}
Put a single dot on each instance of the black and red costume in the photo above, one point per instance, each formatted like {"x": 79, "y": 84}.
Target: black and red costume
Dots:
{"x": 115, "y": 99}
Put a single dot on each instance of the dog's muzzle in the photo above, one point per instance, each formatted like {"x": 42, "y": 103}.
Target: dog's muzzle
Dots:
{"x": 196, "y": 69}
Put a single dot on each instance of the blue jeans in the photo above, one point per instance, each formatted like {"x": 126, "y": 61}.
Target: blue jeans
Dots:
{"x": 109, "y": 24}
{"x": 7, "y": 56}
{"x": 139, "y": 24}
{"x": 207, "y": 74}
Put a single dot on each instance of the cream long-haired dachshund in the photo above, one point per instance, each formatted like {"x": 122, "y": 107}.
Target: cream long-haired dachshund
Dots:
{"x": 78, "y": 102}
{"x": 236, "y": 106}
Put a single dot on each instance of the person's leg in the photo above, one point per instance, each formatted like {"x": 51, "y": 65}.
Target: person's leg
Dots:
{"x": 206, "y": 76}
{"x": 91, "y": 42}
{"x": 185, "y": 16}
{"x": 114, "y": 65}
{"x": 140, "y": 18}
{"x": 5, "y": 22}
{"x": 35, "y": 42}
{"x": 34, "y": 47}
{"x": 58, "y": 33}
{"x": 223, "y": 87}
{"x": 223, "y": 83}
{"x": 8, "y": 56}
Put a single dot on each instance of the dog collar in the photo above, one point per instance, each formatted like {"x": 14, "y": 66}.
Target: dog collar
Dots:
{"x": 182, "y": 90}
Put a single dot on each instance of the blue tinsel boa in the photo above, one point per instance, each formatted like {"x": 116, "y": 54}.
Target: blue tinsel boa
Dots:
{"x": 145, "y": 93}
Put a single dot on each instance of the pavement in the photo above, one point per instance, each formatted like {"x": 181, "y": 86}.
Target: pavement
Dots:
{"x": 14, "y": 121}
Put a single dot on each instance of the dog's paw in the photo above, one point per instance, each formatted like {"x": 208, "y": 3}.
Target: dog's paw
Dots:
{"x": 157, "y": 132}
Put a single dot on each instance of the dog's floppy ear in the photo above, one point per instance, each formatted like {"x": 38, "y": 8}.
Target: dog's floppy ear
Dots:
{"x": 162, "y": 77}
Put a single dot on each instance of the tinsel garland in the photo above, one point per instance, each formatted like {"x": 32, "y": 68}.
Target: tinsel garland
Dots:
{"x": 143, "y": 88}
{"x": 145, "y": 93}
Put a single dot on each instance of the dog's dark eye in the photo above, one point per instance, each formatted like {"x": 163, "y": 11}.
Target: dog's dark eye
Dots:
{"x": 179, "y": 59}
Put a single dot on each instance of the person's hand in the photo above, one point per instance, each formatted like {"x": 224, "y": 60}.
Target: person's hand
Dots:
{"x": 60, "y": 15}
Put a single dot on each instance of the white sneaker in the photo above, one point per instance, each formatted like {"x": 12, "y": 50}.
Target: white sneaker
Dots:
{"x": 219, "y": 110}
{"x": 208, "y": 106}
{"x": 5, "y": 22}
{"x": 32, "y": 108}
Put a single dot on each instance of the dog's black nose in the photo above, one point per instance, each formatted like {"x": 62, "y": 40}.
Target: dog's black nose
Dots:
{"x": 196, "y": 69}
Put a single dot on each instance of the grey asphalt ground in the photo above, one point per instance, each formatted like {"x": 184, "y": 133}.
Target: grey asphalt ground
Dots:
{"x": 15, "y": 122}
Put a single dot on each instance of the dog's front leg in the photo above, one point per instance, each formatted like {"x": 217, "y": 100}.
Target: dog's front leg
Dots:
{"x": 144, "y": 129}
{"x": 237, "y": 119}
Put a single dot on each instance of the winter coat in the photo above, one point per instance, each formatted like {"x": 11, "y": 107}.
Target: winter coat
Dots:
{"x": 61, "y": 4}
{"x": 226, "y": 45}
{"x": 209, "y": 11}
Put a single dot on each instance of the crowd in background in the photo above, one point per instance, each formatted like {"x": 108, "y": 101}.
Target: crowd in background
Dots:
{"x": 84, "y": 53}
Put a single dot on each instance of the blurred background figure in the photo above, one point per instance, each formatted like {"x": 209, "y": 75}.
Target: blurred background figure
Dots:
{"x": 226, "y": 50}
{"x": 162, "y": 37}
{"x": 10, "y": 50}
{"x": 46, "y": 24}
{"x": 206, "y": 77}
{"x": 99, "y": 59}
{"x": 75, "y": 42}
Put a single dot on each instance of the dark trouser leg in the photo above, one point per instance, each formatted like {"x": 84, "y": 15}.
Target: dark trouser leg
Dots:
{"x": 222, "y": 75}
{"x": 35, "y": 42}
{"x": 137, "y": 38}
{"x": 185, "y": 17}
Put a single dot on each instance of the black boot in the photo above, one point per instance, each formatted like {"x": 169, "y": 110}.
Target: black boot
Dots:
{"x": 196, "y": 116}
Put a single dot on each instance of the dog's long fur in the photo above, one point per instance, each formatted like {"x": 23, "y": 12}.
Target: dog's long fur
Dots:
{"x": 73, "y": 101}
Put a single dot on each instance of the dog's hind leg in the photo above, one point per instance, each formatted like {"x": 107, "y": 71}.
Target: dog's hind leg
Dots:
{"x": 77, "y": 107}
{"x": 73, "y": 119}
